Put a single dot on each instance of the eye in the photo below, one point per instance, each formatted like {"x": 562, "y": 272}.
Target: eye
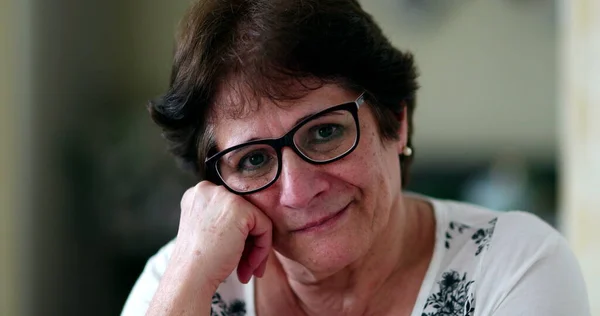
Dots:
{"x": 325, "y": 132}
{"x": 253, "y": 161}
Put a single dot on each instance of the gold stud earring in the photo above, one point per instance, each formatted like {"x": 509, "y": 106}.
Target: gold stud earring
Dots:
{"x": 407, "y": 151}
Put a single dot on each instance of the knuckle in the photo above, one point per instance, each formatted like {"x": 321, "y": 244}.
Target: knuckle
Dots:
{"x": 222, "y": 196}
{"x": 192, "y": 193}
{"x": 204, "y": 184}
{"x": 244, "y": 222}
{"x": 187, "y": 199}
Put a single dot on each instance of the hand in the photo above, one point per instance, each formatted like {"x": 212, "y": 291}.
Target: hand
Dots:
{"x": 221, "y": 231}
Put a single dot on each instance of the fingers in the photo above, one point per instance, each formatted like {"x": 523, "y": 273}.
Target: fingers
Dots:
{"x": 254, "y": 258}
{"x": 262, "y": 240}
{"x": 257, "y": 248}
{"x": 244, "y": 271}
{"x": 262, "y": 230}
{"x": 260, "y": 271}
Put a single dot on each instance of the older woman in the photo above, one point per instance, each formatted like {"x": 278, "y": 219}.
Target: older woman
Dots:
{"x": 297, "y": 117}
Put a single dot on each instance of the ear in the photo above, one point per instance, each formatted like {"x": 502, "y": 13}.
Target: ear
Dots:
{"x": 403, "y": 128}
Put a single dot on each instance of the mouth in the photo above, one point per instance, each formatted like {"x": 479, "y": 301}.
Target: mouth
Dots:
{"x": 322, "y": 223}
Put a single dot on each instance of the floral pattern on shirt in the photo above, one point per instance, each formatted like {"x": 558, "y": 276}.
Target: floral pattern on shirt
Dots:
{"x": 483, "y": 236}
{"x": 220, "y": 308}
{"x": 452, "y": 228}
{"x": 453, "y": 297}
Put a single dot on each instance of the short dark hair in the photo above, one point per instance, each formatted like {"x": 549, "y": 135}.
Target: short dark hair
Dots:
{"x": 265, "y": 46}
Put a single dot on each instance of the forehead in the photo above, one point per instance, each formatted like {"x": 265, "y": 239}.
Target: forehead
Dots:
{"x": 239, "y": 117}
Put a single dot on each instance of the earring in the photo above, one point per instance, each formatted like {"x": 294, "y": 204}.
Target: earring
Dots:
{"x": 407, "y": 151}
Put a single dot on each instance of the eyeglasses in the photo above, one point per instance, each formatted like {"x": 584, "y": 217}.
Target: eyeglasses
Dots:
{"x": 321, "y": 138}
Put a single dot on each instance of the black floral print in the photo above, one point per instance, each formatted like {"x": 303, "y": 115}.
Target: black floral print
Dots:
{"x": 453, "y": 297}
{"x": 483, "y": 236}
{"x": 454, "y": 227}
{"x": 221, "y": 308}
{"x": 470, "y": 305}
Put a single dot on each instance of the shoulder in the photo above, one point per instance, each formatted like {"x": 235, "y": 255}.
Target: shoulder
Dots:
{"x": 531, "y": 269}
{"x": 523, "y": 243}
{"x": 144, "y": 288}
{"x": 520, "y": 242}
{"x": 521, "y": 233}
{"x": 507, "y": 234}
{"x": 516, "y": 263}
{"x": 522, "y": 265}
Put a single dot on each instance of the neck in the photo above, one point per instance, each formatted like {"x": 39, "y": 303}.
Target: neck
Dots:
{"x": 396, "y": 263}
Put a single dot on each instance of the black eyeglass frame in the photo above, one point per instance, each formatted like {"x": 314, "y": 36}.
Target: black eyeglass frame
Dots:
{"x": 287, "y": 140}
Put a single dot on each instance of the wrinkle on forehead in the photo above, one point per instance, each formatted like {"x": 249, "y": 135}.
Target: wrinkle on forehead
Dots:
{"x": 239, "y": 98}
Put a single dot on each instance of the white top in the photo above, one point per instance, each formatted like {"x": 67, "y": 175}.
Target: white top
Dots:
{"x": 484, "y": 263}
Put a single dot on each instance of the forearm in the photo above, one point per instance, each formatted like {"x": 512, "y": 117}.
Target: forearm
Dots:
{"x": 183, "y": 290}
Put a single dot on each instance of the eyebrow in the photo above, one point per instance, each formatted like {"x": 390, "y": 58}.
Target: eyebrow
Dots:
{"x": 298, "y": 121}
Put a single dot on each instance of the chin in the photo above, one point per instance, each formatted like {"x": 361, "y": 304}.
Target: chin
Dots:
{"x": 328, "y": 253}
{"x": 329, "y": 259}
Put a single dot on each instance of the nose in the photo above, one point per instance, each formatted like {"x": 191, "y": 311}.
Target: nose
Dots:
{"x": 300, "y": 181}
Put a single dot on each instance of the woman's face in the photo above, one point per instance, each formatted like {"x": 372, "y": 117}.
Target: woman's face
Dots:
{"x": 324, "y": 216}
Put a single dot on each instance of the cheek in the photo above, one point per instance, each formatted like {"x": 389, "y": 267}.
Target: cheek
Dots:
{"x": 370, "y": 167}
{"x": 266, "y": 201}
{"x": 376, "y": 172}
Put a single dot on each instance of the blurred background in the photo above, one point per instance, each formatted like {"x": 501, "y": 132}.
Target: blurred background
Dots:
{"x": 506, "y": 119}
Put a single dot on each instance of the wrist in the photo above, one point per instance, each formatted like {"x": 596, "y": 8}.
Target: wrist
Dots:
{"x": 190, "y": 268}
{"x": 183, "y": 290}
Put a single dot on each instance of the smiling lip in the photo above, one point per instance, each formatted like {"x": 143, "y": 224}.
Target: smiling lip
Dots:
{"x": 321, "y": 221}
